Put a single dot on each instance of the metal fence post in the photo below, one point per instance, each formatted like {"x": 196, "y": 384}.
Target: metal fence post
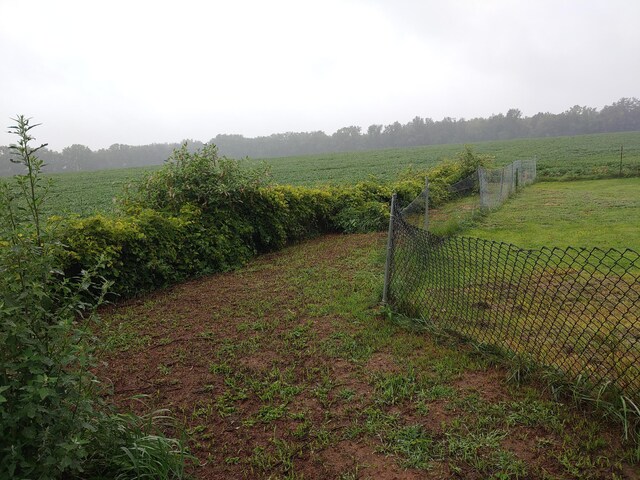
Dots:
{"x": 387, "y": 267}
{"x": 426, "y": 203}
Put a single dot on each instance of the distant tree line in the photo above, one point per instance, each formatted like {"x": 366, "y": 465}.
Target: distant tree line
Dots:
{"x": 620, "y": 116}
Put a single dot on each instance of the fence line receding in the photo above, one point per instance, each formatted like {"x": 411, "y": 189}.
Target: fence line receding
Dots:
{"x": 573, "y": 309}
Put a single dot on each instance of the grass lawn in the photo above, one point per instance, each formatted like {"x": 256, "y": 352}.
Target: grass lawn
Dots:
{"x": 591, "y": 213}
{"x": 288, "y": 368}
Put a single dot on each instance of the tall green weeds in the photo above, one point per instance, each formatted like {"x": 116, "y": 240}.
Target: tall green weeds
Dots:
{"x": 52, "y": 424}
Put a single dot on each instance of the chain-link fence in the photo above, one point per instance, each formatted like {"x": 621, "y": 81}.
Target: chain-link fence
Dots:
{"x": 486, "y": 188}
{"x": 497, "y": 184}
{"x": 576, "y": 310}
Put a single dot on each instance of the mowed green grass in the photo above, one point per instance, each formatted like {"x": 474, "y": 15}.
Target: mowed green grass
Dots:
{"x": 592, "y": 213}
{"x": 558, "y": 158}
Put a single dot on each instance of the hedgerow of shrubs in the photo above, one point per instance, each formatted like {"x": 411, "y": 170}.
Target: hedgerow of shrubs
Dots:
{"x": 145, "y": 249}
{"x": 202, "y": 213}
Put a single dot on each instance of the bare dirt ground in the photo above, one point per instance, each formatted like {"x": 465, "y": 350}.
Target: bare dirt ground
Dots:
{"x": 288, "y": 368}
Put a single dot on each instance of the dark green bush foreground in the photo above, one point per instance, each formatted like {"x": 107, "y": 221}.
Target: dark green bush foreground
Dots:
{"x": 201, "y": 214}
{"x": 52, "y": 422}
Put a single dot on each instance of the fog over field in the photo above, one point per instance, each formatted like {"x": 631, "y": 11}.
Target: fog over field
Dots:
{"x": 143, "y": 72}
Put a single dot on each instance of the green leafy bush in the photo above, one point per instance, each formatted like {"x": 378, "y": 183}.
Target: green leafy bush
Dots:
{"x": 368, "y": 216}
{"x": 146, "y": 249}
{"x": 201, "y": 178}
{"x": 50, "y": 416}
{"x": 201, "y": 214}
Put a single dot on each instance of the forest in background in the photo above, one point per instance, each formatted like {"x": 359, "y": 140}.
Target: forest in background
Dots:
{"x": 620, "y": 116}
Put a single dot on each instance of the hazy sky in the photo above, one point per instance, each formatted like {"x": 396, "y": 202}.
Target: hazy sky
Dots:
{"x": 137, "y": 71}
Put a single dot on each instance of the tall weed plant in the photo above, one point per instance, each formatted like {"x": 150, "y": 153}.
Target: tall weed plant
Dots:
{"x": 52, "y": 424}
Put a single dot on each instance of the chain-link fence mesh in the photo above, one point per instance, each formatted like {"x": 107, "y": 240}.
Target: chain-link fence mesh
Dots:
{"x": 485, "y": 189}
{"x": 576, "y": 310}
{"x": 417, "y": 212}
{"x": 466, "y": 186}
{"x": 497, "y": 184}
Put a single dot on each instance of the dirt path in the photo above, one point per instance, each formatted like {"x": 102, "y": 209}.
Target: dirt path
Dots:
{"x": 287, "y": 369}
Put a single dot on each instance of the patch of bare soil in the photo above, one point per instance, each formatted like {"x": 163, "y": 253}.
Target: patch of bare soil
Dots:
{"x": 363, "y": 462}
{"x": 383, "y": 362}
{"x": 488, "y": 384}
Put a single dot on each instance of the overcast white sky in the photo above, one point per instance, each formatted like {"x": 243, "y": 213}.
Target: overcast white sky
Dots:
{"x": 137, "y": 71}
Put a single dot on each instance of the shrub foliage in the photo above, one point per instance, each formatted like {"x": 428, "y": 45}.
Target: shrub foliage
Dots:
{"x": 52, "y": 424}
{"x": 202, "y": 213}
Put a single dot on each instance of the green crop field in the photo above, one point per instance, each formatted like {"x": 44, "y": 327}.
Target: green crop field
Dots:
{"x": 558, "y": 158}
{"x": 85, "y": 193}
{"x": 591, "y": 213}
{"x": 585, "y": 156}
